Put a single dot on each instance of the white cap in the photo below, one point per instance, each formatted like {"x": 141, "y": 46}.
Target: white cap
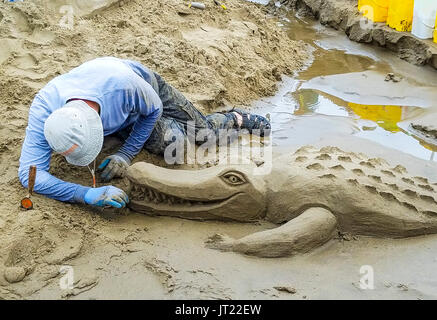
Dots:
{"x": 76, "y": 132}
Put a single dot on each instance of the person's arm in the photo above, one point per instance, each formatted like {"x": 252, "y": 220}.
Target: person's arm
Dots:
{"x": 36, "y": 151}
{"x": 141, "y": 131}
{"x": 150, "y": 108}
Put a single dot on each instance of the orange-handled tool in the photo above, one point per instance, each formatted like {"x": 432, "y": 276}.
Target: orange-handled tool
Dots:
{"x": 26, "y": 203}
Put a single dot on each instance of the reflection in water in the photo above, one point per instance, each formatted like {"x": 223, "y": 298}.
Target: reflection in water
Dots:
{"x": 336, "y": 54}
{"x": 375, "y": 122}
{"x": 312, "y": 101}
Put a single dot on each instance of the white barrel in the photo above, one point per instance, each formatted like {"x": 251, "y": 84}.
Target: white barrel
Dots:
{"x": 424, "y": 15}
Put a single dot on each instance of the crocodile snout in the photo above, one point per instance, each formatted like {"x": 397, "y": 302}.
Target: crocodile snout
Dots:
{"x": 212, "y": 193}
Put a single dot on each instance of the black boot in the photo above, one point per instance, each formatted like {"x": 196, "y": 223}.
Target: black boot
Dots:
{"x": 255, "y": 122}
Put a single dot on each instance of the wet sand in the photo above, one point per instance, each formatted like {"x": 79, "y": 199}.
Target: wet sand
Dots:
{"x": 137, "y": 257}
{"x": 171, "y": 264}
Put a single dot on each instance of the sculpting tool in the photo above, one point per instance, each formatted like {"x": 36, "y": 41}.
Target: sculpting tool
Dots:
{"x": 93, "y": 172}
{"x": 26, "y": 203}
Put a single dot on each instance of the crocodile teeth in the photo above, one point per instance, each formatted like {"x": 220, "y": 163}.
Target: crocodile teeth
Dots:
{"x": 150, "y": 193}
{"x": 154, "y": 194}
{"x": 158, "y": 196}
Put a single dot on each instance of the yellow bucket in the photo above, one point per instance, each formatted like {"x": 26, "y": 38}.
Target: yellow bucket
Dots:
{"x": 375, "y": 10}
{"x": 400, "y": 14}
{"x": 435, "y": 31}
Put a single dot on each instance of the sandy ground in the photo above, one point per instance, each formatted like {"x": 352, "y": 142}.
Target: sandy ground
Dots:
{"x": 217, "y": 58}
{"x": 136, "y": 256}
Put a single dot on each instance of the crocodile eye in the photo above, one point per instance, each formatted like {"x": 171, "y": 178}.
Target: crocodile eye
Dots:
{"x": 233, "y": 178}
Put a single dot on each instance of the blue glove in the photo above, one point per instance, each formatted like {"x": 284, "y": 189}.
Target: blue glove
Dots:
{"x": 114, "y": 166}
{"x": 106, "y": 196}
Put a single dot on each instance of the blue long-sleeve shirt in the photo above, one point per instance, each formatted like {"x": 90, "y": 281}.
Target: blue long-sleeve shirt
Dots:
{"x": 126, "y": 92}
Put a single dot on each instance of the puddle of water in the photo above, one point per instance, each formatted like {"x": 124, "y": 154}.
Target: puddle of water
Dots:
{"x": 330, "y": 62}
{"x": 308, "y": 101}
{"x": 335, "y": 54}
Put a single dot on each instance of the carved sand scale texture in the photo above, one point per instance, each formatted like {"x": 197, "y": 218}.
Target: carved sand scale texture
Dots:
{"x": 371, "y": 176}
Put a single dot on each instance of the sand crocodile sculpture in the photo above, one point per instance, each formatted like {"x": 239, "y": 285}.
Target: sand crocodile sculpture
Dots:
{"x": 311, "y": 195}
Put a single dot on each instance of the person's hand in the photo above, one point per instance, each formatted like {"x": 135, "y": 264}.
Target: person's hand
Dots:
{"x": 113, "y": 166}
{"x": 106, "y": 196}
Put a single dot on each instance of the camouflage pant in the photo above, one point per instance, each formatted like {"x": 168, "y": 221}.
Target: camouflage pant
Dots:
{"x": 180, "y": 118}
